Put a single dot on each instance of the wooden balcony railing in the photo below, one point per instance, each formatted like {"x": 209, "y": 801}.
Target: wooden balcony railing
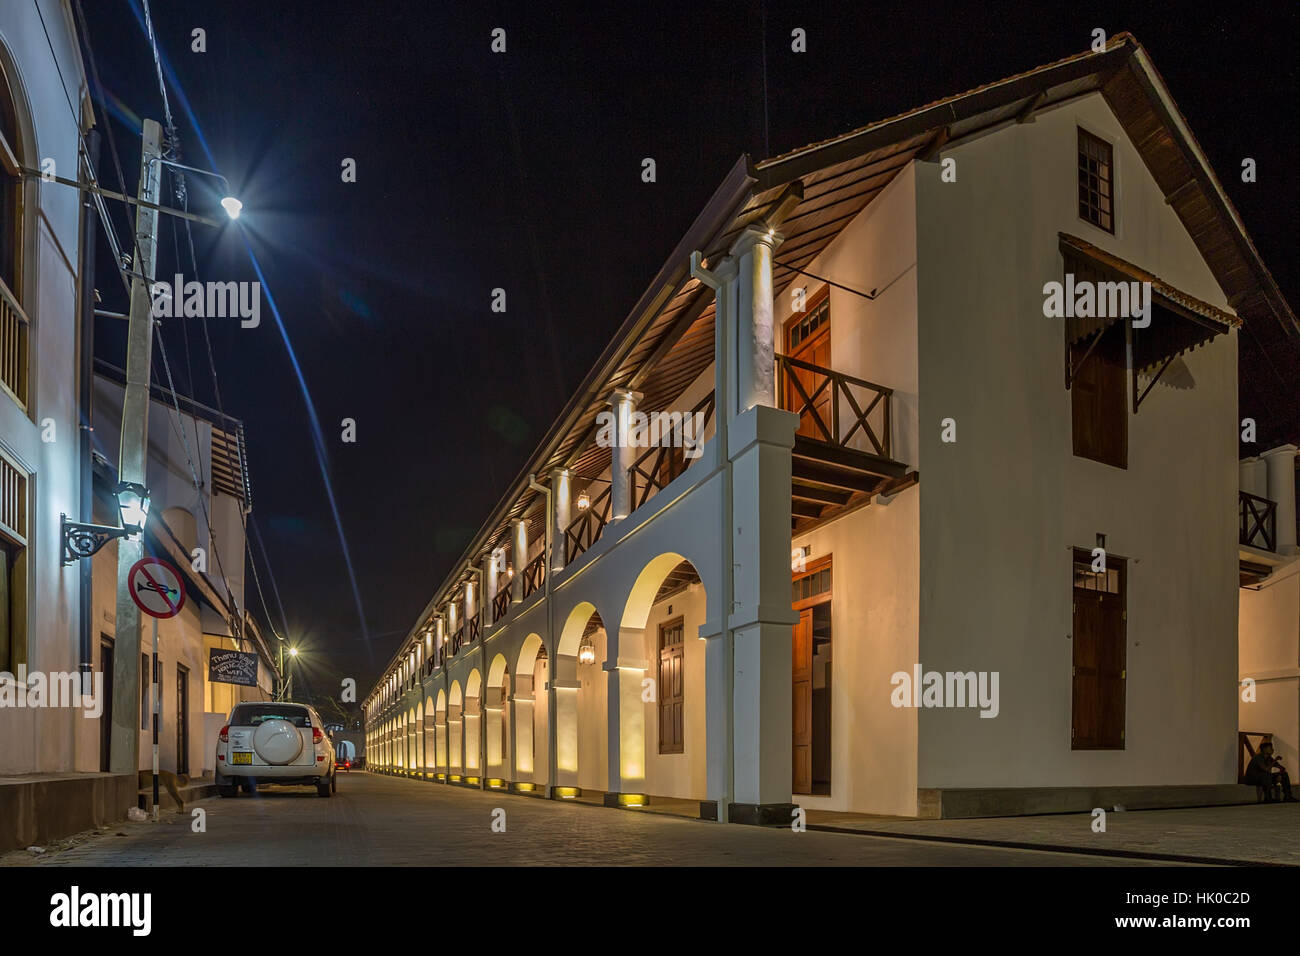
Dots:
{"x": 1258, "y": 521}
{"x": 501, "y": 603}
{"x": 662, "y": 463}
{"x": 474, "y": 628}
{"x": 815, "y": 394}
{"x": 14, "y": 326}
{"x": 583, "y": 532}
{"x": 534, "y": 574}
{"x": 456, "y": 640}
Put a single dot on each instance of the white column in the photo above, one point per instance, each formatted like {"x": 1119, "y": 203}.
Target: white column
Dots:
{"x": 520, "y": 556}
{"x": 1280, "y": 462}
{"x": 521, "y": 728}
{"x": 756, "y": 325}
{"x": 490, "y": 589}
{"x": 564, "y": 733}
{"x": 622, "y": 454}
{"x": 561, "y": 515}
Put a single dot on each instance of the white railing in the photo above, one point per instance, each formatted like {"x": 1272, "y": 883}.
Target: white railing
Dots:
{"x": 14, "y": 325}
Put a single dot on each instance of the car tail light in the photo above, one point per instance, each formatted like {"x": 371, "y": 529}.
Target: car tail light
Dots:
{"x": 348, "y": 764}
{"x": 224, "y": 737}
{"x": 316, "y": 735}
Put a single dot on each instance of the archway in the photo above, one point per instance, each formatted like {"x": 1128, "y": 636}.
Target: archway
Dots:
{"x": 581, "y": 757}
{"x": 528, "y": 704}
{"x": 496, "y": 726}
{"x": 429, "y": 736}
{"x": 455, "y": 730}
{"x": 662, "y": 720}
{"x": 473, "y": 721}
{"x": 440, "y": 732}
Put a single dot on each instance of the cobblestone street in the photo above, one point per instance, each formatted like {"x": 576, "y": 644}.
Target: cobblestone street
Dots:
{"x": 379, "y": 820}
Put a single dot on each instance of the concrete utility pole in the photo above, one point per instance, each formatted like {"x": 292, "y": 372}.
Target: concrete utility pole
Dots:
{"x": 133, "y": 455}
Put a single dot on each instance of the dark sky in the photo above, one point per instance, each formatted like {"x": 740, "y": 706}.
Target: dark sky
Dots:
{"x": 522, "y": 171}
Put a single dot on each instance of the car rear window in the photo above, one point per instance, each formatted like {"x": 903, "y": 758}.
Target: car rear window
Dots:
{"x": 253, "y": 715}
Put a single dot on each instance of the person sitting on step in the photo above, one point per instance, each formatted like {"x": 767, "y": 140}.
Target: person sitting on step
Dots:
{"x": 1266, "y": 772}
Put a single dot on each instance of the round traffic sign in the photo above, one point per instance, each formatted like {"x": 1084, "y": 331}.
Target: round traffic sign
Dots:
{"x": 156, "y": 587}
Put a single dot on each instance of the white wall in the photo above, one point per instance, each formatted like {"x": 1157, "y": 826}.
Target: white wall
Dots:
{"x": 683, "y": 775}
{"x": 47, "y": 740}
{"x": 1002, "y": 506}
{"x": 1269, "y": 619}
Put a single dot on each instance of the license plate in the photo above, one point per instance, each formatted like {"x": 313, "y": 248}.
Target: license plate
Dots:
{"x": 245, "y": 756}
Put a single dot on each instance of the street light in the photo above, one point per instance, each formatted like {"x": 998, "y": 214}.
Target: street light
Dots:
{"x": 232, "y": 206}
{"x": 81, "y": 540}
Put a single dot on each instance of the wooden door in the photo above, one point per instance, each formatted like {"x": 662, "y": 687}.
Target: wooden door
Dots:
{"x": 671, "y": 692}
{"x": 801, "y": 726}
{"x": 182, "y": 720}
{"x": 106, "y": 718}
{"x": 808, "y": 339}
{"x": 1099, "y": 658}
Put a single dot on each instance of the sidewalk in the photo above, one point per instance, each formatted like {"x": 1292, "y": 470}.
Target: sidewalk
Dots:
{"x": 1265, "y": 834}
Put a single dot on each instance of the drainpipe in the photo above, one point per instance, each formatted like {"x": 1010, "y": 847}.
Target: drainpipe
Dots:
{"x": 482, "y": 687}
{"x": 552, "y": 650}
{"x": 723, "y": 404}
{"x": 86, "y": 391}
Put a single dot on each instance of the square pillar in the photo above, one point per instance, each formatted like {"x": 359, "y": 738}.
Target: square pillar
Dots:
{"x": 563, "y": 733}
{"x": 522, "y": 757}
{"x": 625, "y": 667}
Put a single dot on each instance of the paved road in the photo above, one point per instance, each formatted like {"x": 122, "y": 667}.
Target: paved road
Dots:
{"x": 380, "y": 820}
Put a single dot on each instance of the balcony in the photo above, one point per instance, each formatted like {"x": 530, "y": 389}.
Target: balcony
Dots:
{"x": 534, "y": 575}
{"x": 501, "y": 603}
{"x": 843, "y": 447}
{"x": 1258, "y": 521}
{"x": 14, "y": 327}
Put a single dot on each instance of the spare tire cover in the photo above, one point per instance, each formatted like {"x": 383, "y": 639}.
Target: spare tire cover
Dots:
{"x": 277, "y": 741}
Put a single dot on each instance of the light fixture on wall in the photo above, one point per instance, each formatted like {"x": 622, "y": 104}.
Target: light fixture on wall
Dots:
{"x": 82, "y": 540}
{"x": 799, "y": 558}
{"x": 584, "y": 501}
{"x": 586, "y": 651}
{"x": 510, "y": 570}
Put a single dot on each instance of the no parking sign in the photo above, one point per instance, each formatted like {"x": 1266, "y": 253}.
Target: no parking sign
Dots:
{"x": 156, "y": 588}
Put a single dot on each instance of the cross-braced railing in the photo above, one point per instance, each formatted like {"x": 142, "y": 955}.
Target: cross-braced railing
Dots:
{"x": 867, "y": 403}
{"x": 584, "y": 530}
{"x": 534, "y": 574}
{"x": 1258, "y": 521}
{"x": 673, "y": 454}
{"x": 501, "y": 603}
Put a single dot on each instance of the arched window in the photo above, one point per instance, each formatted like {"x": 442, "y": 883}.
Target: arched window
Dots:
{"x": 13, "y": 321}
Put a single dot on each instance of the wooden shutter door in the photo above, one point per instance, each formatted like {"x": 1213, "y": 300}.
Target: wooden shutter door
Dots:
{"x": 801, "y": 699}
{"x": 1086, "y": 717}
{"x": 1111, "y": 653}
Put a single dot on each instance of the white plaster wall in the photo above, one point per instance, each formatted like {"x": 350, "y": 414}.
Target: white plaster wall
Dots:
{"x": 1269, "y": 631}
{"x": 683, "y": 775}
{"x": 875, "y": 555}
{"x": 1003, "y": 505}
{"x": 47, "y": 739}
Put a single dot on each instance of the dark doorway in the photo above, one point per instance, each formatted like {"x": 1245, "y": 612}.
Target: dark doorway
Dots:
{"x": 182, "y": 719}
{"x": 1100, "y": 652}
{"x": 106, "y": 717}
{"x": 811, "y": 680}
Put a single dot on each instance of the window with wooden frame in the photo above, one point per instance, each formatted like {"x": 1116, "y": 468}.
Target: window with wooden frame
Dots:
{"x": 13, "y": 566}
{"x": 1100, "y": 649}
{"x": 672, "y": 648}
{"x": 14, "y": 323}
{"x": 1096, "y": 181}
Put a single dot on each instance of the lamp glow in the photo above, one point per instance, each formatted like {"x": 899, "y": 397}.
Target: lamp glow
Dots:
{"x": 133, "y": 502}
{"x": 293, "y": 652}
{"x": 232, "y": 206}
{"x": 586, "y": 651}
{"x": 584, "y": 502}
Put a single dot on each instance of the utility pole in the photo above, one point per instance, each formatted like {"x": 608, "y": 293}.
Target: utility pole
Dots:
{"x": 133, "y": 454}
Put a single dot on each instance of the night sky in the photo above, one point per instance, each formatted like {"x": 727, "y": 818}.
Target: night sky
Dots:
{"x": 522, "y": 171}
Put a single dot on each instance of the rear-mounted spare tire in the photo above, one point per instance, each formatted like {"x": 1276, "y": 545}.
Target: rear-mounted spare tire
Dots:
{"x": 277, "y": 742}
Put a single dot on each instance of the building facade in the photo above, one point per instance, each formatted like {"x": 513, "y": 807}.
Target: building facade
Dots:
{"x": 857, "y": 513}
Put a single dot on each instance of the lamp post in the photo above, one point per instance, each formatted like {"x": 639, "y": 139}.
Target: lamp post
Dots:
{"x": 82, "y": 540}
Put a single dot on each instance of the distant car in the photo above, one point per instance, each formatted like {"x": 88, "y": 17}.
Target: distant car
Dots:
{"x": 344, "y": 753}
{"x": 274, "y": 743}
{"x": 342, "y": 764}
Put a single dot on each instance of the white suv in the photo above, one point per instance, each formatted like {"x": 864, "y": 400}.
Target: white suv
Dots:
{"x": 281, "y": 743}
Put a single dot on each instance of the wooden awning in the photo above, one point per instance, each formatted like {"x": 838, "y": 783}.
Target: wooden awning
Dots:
{"x": 1179, "y": 322}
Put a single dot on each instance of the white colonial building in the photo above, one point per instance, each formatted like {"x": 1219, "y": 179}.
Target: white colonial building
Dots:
{"x": 911, "y": 473}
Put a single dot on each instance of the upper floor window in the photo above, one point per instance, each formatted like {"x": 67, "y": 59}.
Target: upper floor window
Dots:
{"x": 1096, "y": 181}
{"x": 13, "y": 320}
